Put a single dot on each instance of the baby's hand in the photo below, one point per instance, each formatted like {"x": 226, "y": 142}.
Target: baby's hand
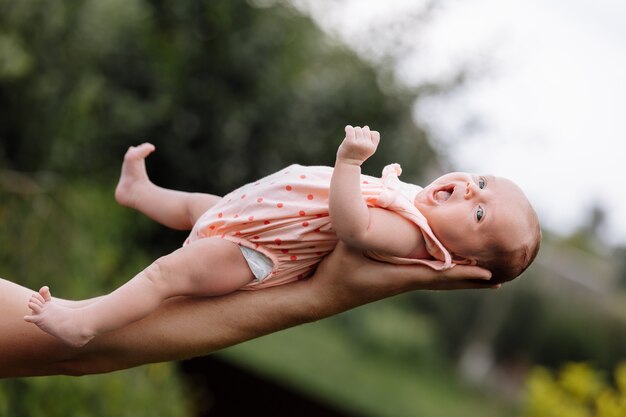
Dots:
{"x": 358, "y": 145}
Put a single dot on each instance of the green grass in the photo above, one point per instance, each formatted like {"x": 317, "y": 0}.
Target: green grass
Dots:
{"x": 320, "y": 360}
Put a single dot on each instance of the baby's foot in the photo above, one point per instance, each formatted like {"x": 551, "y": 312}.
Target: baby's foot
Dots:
{"x": 134, "y": 175}
{"x": 59, "y": 321}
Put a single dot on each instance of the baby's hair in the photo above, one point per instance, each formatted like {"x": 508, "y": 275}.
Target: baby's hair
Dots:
{"x": 506, "y": 265}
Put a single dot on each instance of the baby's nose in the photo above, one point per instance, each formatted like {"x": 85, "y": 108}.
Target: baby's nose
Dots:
{"x": 470, "y": 189}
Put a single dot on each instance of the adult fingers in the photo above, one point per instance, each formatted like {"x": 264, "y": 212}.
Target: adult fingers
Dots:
{"x": 466, "y": 272}
{"x": 422, "y": 274}
{"x": 457, "y": 285}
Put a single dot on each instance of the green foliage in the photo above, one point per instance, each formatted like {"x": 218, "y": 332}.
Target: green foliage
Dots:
{"x": 14, "y": 60}
{"x": 152, "y": 391}
{"x": 69, "y": 235}
{"x": 577, "y": 390}
{"x": 620, "y": 254}
{"x": 74, "y": 238}
{"x": 530, "y": 321}
{"x": 364, "y": 376}
{"x": 392, "y": 330}
{"x": 550, "y": 330}
{"x": 226, "y": 91}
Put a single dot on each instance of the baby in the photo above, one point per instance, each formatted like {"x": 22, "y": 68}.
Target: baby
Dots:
{"x": 276, "y": 230}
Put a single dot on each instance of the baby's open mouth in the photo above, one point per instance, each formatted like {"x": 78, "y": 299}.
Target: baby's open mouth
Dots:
{"x": 442, "y": 194}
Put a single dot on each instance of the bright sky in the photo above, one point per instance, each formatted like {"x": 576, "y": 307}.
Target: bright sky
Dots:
{"x": 546, "y": 105}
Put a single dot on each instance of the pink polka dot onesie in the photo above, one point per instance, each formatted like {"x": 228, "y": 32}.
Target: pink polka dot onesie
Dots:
{"x": 285, "y": 217}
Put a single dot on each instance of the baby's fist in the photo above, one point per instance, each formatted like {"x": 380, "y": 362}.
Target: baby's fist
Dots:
{"x": 358, "y": 145}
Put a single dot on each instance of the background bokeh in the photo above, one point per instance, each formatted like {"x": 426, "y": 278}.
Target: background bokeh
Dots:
{"x": 232, "y": 90}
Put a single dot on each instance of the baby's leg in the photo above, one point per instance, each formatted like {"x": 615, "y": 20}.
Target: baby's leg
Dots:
{"x": 75, "y": 303}
{"x": 175, "y": 209}
{"x": 211, "y": 266}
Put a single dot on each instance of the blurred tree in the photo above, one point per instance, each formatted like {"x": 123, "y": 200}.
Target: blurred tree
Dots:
{"x": 620, "y": 255}
{"x": 589, "y": 235}
{"x": 228, "y": 92}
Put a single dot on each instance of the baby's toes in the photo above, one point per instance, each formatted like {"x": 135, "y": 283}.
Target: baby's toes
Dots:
{"x": 37, "y": 297}
{"x": 36, "y": 308}
{"x": 131, "y": 153}
{"x": 145, "y": 148}
{"x": 140, "y": 151}
{"x": 45, "y": 294}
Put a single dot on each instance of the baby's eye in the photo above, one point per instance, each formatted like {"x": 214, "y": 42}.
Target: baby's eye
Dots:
{"x": 481, "y": 183}
{"x": 480, "y": 213}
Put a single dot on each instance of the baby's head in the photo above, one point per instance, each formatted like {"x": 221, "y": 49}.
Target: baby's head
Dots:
{"x": 482, "y": 220}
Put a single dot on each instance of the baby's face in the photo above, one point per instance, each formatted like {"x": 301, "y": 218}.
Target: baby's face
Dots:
{"x": 469, "y": 213}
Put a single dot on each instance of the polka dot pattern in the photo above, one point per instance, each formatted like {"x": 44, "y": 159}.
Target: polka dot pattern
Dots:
{"x": 284, "y": 216}
{"x": 282, "y": 220}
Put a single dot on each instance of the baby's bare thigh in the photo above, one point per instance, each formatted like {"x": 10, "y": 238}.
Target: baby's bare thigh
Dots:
{"x": 217, "y": 267}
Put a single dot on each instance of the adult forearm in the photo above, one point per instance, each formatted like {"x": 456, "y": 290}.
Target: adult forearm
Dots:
{"x": 186, "y": 327}
{"x": 181, "y": 328}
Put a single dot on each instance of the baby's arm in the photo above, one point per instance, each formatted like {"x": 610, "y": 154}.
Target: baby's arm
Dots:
{"x": 348, "y": 211}
{"x": 353, "y": 221}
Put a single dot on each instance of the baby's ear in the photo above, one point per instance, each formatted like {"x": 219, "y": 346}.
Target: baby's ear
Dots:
{"x": 461, "y": 260}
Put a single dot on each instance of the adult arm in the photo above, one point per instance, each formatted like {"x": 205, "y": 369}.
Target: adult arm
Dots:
{"x": 185, "y": 327}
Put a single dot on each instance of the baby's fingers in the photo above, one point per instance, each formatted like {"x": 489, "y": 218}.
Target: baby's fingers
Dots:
{"x": 358, "y": 133}
{"x": 349, "y": 132}
{"x": 375, "y": 137}
{"x": 372, "y": 135}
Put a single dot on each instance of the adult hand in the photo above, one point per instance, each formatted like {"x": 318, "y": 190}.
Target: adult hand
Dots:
{"x": 346, "y": 279}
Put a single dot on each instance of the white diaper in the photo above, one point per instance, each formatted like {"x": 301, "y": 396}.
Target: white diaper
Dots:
{"x": 259, "y": 264}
